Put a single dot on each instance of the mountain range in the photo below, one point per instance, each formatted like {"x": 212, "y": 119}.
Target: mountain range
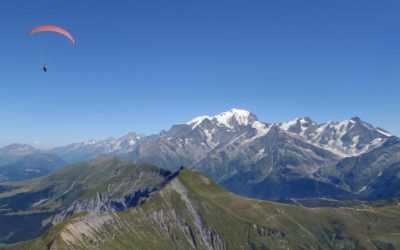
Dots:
{"x": 21, "y": 162}
{"x": 289, "y": 160}
{"x": 108, "y": 203}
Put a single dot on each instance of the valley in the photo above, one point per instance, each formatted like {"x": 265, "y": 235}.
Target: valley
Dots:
{"x": 186, "y": 210}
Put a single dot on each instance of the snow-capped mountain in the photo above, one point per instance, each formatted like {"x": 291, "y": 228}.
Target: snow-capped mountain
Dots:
{"x": 373, "y": 175}
{"x": 92, "y": 148}
{"x": 267, "y": 155}
{"x": 248, "y": 156}
{"x": 189, "y": 142}
{"x": 236, "y": 149}
{"x": 230, "y": 133}
{"x": 346, "y": 138}
{"x": 186, "y": 144}
{"x": 230, "y": 119}
{"x": 220, "y": 128}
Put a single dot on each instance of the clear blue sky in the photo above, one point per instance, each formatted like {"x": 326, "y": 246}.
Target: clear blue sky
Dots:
{"x": 145, "y": 65}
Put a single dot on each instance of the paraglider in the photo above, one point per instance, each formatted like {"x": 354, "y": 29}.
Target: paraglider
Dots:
{"x": 55, "y": 29}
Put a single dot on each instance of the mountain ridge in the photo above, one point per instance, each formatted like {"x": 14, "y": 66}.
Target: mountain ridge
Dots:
{"x": 192, "y": 212}
{"x": 234, "y": 118}
{"x": 235, "y": 144}
{"x": 230, "y": 119}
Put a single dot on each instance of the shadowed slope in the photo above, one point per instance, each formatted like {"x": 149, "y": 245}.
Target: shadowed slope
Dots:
{"x": 104, "y": 184}
{"x": 191, "y": 212}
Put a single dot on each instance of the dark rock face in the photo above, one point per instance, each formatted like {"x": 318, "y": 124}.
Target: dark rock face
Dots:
{"x": 104, "y": 203}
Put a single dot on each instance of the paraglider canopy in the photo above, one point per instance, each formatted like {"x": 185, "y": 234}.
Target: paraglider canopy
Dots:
{"x": 53, "y": 28}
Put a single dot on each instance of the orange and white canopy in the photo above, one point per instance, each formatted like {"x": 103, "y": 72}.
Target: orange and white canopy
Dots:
{"x": 53, "y": 28}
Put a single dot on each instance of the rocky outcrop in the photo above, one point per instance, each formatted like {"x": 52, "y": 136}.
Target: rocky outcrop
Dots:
{"x": 208, "y": 238}
{"x": 104, "y": 203}
{"x": 191, "y": 212}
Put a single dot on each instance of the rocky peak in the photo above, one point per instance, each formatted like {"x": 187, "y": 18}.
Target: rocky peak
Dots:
{"x": 345, "y": 138}
{"x": 228, "y": 119}
{"x": 298, "y": 125}
{"x": 356, "y": 119}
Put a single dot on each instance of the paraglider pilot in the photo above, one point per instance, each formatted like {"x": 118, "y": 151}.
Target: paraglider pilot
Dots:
{"x": 52, "y": 28}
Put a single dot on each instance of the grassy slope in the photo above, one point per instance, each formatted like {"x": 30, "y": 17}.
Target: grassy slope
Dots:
{"x": 27, "y": 205}
{"x": 193, "y": 212}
